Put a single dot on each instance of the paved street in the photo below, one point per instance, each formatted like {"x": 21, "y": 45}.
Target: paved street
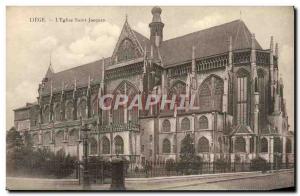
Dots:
{"x": 230, "y": 181}
{"x": 260, "y": 182}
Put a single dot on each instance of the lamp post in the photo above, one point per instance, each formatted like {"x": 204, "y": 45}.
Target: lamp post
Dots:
{"x": 86, "y": 181}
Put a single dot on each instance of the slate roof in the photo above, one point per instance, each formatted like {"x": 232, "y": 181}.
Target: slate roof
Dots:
{"x": 142, "y": 39}
{"x": 80, "y": 73}
{"x": 208, "y": 42}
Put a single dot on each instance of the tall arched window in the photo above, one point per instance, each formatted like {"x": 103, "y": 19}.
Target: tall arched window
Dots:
{"x": 185, "y": 124}
{"x": 82, "y": 109}
{"x": 203, "y": 145}
{"x": 288, "y": 145}
{"x": 128, "y": 89}
{"x": 211, "y": 94}
{"x": 166, "y": 126}
{"x": 73, "y": 137}
{"x": 126, "y": 50}
{"x": 69, "y": 111}
{"x": 47, "y": 138}
{"x": 166, "y": 146}
{"x": 59, "y": 138}
{"x": 46, "y": 114}
{"x": 204, "y": 97}
{"x": 220, "y": 145}
{"x": 95, "y": 107}
{"x": 251, "y": 145}
{"x": 57, "y": 116}
{"x": 93, "y": 146}
{"x": 242, "y": 97}
{"x": 177, "y": 89}
{"x": 119, "y": 145}
{"x": 263, "y": 145}
{"x": 105, "y": 145}
{"x": 277, "y": 145}
{"x": 133, "y": 114}
{"x": 240, "y": 144}
{"x": 262, "y": 96}
{"x": 118, "y": 115}
{"x": 35, "y": 139}
{"x": 203, "y": 122}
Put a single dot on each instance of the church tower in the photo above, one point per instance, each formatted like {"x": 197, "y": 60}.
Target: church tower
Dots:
{"x": 156, "y": 27}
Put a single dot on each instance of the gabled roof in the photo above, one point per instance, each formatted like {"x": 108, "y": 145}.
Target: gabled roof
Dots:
{"x": 144, "y": 41}
{"x": 127, "y": 32}
{"x": 241, "y": 129}
{"x": 208, "y": 42}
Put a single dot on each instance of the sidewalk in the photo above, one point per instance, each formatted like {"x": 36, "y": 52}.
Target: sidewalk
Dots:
{"x": 156, "y": 183}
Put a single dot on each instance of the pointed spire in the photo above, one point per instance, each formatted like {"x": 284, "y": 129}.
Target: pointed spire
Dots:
{"x": 62, "y": 90}
{"x": 253, "y": 52}
{"x": 281, "y": 80}
{"x": 89, "y": 82}
{"x": 230, "y": 44}
{"x": 151, "y": 52}
{"x": 145, "y": 51}
{"x": 193, "y": 52}
{"x": 276, "y": 50}
{"x": 145, "y": 59}
{"x": 75, "y": 87}
{"x": 51, "y": 88}
{"x": 102, "y": 70}
{"x": 193, "y": 59}
{"x": 252, "y": 41}
{"x": 271, "y": 44}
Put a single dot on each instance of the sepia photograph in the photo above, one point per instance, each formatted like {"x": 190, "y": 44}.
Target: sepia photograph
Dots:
{"x": 150, "y": 98}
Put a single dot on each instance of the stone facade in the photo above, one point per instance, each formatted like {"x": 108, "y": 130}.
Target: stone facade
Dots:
{"x": 235, "y": 82}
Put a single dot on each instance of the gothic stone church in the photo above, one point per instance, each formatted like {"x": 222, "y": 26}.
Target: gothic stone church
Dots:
{"x": 241, "y": 114}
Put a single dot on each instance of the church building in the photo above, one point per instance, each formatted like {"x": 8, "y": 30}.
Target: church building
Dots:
{"x": 241, "y": 110}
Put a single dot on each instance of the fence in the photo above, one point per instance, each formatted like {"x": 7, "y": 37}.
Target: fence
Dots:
{"x": 203, "y": 168}
{"x": 100, "y": 171}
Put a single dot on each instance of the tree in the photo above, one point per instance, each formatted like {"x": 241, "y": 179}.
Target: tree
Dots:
{"x": 14, "y": 139}
{"x": 22, "y": 159}
{"x": 189, "y": 162}
{"x": 61, "y": 164}
{"x": 14, "y": 151}
{"x": 170, "y": 165}
{"x": 187, "y": 151}
{"x": 259, "y": 164}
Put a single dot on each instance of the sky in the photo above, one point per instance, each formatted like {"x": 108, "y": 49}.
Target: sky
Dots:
{"x": 29, "y": 45}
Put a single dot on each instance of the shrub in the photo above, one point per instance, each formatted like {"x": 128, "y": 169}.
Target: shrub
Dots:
{"x": 220, "y": 164}
{"x": 64, "y": 165}
{"x": 170, "y": 165}
{"x": 259, "y": 164}
{"x": 197, "y": 163}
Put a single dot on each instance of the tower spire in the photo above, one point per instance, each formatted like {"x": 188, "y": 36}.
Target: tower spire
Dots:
{"x": 50, "y": 63}
{"x": 276, "y": 50}
{"x": 156, "y": 27}
{"x": 50, "y": 70}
